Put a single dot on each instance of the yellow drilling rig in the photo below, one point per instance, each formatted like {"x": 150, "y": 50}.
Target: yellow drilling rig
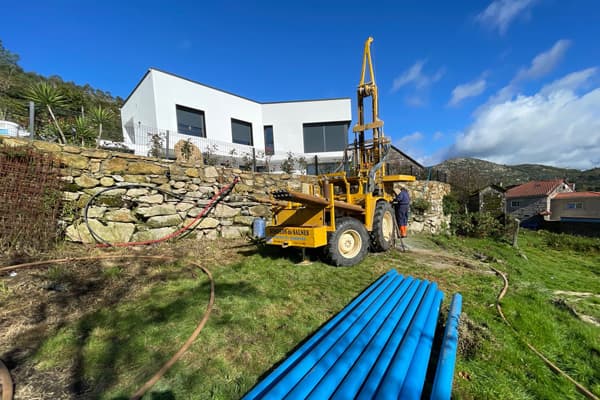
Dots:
{"x": 349, "y": 212}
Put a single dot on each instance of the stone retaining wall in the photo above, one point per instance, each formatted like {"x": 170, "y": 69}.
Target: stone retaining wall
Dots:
{"x": 138, "y": 214}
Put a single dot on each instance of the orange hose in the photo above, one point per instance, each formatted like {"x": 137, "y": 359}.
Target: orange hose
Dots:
{"x": 6, "y": 382}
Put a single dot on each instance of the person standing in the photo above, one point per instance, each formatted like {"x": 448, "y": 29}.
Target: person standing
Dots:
{"x": 402, "y": 203}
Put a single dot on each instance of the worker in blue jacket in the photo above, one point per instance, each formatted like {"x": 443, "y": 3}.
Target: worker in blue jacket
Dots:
{"x": 402, "y": 205}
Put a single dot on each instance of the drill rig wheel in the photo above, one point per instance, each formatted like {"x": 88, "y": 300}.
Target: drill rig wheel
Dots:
{"x": 349, "y": 244}
{"x": 382, "y": 236}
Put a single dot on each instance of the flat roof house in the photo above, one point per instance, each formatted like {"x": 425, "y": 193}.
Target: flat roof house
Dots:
{"x": 177, "y": 109}
{"x": 576, "y": 207}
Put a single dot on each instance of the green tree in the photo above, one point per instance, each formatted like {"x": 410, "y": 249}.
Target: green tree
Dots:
{"x": 100, "y": 116}
{"x": 48, "y": 96}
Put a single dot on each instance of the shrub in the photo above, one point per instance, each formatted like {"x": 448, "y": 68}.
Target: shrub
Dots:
{"x": 420, "y": 205}
{"x": 562, "y": 241}
{"x": 479, "y": 224}
{"x": 450, "y": 204}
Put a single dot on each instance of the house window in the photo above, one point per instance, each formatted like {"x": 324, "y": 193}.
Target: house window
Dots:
{"x": 241, "y": 132}
{"x": 515, "y": 203}
{"x": 269, "y": 143}
{"x": 328, "y": 136}
{"x": 190, "y": 121}
{"x": 572, "y": 206}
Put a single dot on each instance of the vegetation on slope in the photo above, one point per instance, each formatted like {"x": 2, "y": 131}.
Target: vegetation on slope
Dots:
{"x": 16, "y": 87}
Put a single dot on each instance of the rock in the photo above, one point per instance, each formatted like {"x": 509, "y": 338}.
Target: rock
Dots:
{"x": 260, "y": 211}
{"x": 227, "y": 222}
{"x": 179, "y": 185}
{"x": 86, "y": 181}
{"x": 162, "y": 221}
{"x": 241, "y": 188}
{"x": 136, "y": 178}
{"x": 205, "y": 223}
{"x": 107, "y": 181}
{"x": 114, "y": 165}
{"x": 184, "y": 206}
{"x": 151, "y": 199}
{"x": 137, "y": 192}
{"x": 118, "y": 178}
{"x": 152, "y": 234}
{"x": 243, "y": 220}
{"x": 210, "y": 235}
{"x": 112, "y": 232}
{"x": 70, "y": 196}
{"x": 145, "y": 168}
{"x": 163, "y": 209}
{"x": 46, "y": 146}
{"x": 210, "y": 172}
{"x": 224, "y": 211}
{"x": 186, "y": 151}
{"x": 192, "y": 172}
{"x": 96, "y": 153}
{"x": 79, "y": 233}
{"x": 73, "y": 161}
{"x": 95, "y": 212}
{"x": 72, "y": 149}
{"x": 234, "y": 232}
{"x": 120, "y": 215}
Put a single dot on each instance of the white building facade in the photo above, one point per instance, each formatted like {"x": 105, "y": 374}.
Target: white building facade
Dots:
{"x": 176, "y": 109}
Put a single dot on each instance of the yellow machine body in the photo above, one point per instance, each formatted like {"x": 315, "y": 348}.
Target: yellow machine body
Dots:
{"x": 305, "y": 219}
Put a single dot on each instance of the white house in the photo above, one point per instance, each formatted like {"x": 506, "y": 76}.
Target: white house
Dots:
{"x": 9, "y": 128}
{"x": 178, "y": 108}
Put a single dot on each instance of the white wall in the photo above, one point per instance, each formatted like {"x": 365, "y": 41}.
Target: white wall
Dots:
{"x": 287, "y": 119}
{"x": 140, "y": 106}
{"x": 219, "y": 107}
{"x": 153, "y": 104}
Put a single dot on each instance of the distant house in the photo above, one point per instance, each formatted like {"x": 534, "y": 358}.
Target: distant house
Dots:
{"x": 400, "y": 163}
{"x": 488, "y": 199}
{"x": 533, "y": 199}
{"x": 576, "y": 207}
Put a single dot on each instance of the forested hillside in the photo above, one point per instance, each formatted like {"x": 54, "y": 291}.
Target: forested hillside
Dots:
{"x": 80, "y": 112}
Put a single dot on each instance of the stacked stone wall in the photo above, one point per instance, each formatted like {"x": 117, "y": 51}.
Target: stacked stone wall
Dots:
{"x": 138, "y": 214}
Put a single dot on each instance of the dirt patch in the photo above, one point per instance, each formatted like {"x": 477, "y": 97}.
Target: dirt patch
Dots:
{"x": 471, "y": 337}
{"x": 39, "y": 301}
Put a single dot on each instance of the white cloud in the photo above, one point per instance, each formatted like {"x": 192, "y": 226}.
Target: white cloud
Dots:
{"x": 438, "y": 135}
{"x": 413, "y": 137}
{"x": 544, "y": 62}
{"x": 501, "y": 13}
{"x": 416, "y": 77}
{"x": 557, "y": 126}
{"x": 466, "y": 90}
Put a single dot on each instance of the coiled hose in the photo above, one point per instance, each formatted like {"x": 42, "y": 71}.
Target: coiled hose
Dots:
{"x": 213, "y": 202}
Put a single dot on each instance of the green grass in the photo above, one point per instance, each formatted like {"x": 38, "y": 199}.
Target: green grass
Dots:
{"x": 266, "y": 305}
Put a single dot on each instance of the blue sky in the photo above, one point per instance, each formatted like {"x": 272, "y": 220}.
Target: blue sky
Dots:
{"x": 510, "y": 81}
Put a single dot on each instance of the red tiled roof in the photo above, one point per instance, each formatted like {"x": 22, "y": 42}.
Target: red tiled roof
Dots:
{"x": 534, "y": 188}
{"x": 577, "y": 195}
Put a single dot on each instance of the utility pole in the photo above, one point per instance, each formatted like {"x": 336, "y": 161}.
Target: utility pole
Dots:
{"x": 31, "y": 120}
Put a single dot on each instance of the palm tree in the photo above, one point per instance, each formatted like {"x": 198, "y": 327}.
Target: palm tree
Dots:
{"x": 100, "y": 116}
{"x": 82, "y": 130}
{"x": 49, "y": 96}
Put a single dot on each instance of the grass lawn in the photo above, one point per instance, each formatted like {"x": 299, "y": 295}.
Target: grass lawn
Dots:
{"x": 266, "y": 305}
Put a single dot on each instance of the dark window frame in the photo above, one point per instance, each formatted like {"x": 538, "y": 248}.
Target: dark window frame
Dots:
{"x": 242, "y": 122}
{"x": 269, "y": 151}
{"x": 324, "y": 124}
{"x": 575, "y": 205}
{"x": 515, "y": 203}
{"x": 193, "y": 111}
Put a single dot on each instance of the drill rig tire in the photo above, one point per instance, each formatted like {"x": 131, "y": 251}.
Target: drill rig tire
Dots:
{"x": 382, "y": 236}
{"x": 349, "y": 244}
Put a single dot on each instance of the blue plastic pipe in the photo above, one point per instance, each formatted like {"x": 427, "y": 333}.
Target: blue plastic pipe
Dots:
{"x": 415, "y": 378}
{"x": 442, "y": 384}
{"x": 360, "y": 303}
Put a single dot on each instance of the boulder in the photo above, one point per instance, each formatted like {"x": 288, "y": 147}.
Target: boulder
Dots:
{"x": 120, "y": 215}
{"x": 224, "y": 211}
{"x": 86, "y": 181}
{"x": 162, "y": 221}
{"x": 163, "y": 209}
{"x": 152, "y": 234}
{"x": 186, "y": 151}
